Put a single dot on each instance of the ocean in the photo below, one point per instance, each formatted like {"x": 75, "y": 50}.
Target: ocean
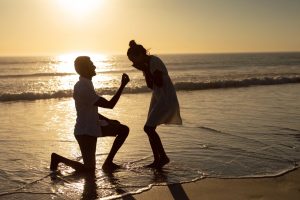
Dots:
{"x": 241, "y": 118}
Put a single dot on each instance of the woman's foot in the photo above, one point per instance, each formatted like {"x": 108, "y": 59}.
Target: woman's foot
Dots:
{"x": 152, "y": 165}
{"x": 163, "y": 161}
{"x": 110, "y": 166}
{"x": 54, "y": 162}
{"x": 159, "y": 164}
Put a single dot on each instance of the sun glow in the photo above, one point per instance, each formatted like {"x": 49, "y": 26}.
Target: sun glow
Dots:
{"x": 66, "y": 61}
{"x": 65, "y": 64}
{"x": 70, "y": 57}
{"x": 79, "y": 7}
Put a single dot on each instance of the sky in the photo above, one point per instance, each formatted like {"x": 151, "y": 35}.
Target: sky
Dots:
{"x": 53, "y": 27}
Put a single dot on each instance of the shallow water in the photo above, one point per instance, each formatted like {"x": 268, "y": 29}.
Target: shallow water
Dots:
{"x": 244, "y": 132}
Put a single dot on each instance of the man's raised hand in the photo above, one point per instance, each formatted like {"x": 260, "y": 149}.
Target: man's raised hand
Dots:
{"x": 125, "y": 79}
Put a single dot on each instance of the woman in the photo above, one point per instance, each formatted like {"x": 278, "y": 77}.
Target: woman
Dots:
{"x": 164, "y": 106}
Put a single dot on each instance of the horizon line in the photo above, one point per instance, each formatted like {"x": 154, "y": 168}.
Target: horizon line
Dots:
{"x": 175, "y": 53}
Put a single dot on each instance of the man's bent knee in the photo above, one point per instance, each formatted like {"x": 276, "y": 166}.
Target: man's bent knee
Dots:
{"x": 124, "y": 130}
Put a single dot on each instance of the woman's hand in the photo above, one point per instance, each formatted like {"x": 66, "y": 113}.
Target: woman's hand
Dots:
{"x": 125, "y": 79}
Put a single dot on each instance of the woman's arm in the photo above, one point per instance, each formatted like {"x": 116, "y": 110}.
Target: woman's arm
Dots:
{"x": 158, "y": 78}
{"x": 149, "y": 80}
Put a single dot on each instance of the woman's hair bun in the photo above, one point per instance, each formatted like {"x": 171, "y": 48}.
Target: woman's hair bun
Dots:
{"x": 132, "y": 44}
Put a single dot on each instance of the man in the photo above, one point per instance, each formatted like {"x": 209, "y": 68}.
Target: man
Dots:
{"x": 90, "y": 124}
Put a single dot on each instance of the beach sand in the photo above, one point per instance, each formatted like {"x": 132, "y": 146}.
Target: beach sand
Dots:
{"x": 286, "y": 186}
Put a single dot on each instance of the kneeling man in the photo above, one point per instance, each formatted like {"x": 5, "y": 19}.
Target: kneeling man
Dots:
{"x": 89, "y": 124}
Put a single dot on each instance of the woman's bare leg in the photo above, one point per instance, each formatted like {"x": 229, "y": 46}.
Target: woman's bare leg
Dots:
{"x": 160, "y": 156}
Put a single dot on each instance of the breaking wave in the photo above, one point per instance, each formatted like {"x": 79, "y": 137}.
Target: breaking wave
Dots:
{"x": 180, "y": 86}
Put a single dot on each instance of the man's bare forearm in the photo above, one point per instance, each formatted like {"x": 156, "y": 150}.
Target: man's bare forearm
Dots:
{"x": 116, "y": 97}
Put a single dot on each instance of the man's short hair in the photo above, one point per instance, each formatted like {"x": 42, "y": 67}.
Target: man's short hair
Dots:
{"x": 80, "y": 63}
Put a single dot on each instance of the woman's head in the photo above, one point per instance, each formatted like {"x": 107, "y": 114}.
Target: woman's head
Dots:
{"x": 136, "y": 53}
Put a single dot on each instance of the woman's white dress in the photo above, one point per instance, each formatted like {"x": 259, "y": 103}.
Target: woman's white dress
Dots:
{"x": 164, "y": 106}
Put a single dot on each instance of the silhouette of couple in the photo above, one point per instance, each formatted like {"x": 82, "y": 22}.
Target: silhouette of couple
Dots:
{"x": 164, "y": 109}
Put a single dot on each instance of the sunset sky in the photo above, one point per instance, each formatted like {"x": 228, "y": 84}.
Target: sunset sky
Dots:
{"x": 51, "y": 27}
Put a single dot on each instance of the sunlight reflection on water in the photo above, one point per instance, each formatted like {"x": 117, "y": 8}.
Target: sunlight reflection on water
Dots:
{"x": 216, "y": 139}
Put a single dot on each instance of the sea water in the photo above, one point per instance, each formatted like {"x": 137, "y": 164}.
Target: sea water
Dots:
{"x": 241, "y": 115}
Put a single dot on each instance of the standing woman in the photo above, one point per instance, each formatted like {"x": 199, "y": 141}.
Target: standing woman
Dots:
{"x": 164, "y": 106}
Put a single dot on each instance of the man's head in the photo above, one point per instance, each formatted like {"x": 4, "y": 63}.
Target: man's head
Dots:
{"x": 85, "y": 67}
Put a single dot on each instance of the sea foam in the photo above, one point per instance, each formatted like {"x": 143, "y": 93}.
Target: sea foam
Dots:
{"x": 180, "y": 86}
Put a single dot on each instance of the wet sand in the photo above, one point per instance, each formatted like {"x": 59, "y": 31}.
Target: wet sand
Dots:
{"x": 286, "y": 186}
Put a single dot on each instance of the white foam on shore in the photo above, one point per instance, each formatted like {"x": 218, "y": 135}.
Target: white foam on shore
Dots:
{"x": 180, "y": 86}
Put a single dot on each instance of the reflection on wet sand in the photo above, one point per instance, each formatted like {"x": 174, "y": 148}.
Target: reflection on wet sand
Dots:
{"x": 105, "y": 184}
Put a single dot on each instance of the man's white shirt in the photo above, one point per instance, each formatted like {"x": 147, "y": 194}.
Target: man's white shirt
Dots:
{"x": 87, "y": 121}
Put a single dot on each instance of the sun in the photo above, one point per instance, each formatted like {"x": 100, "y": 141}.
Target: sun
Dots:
{"x": 79, "y": 7}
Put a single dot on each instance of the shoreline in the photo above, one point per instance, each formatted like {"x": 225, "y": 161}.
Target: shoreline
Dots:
{"x": 283, "y": 186}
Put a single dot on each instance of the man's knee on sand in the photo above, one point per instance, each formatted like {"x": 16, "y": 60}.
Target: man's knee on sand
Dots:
{"x": 89, "y": 160}
{"x": 89, "y": 168}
